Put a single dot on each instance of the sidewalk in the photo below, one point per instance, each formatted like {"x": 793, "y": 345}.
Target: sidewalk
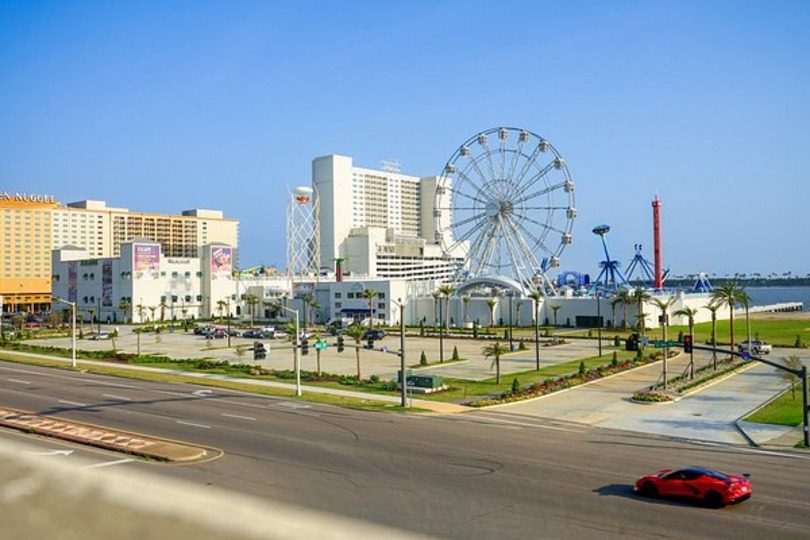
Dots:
{"x": 434, "y": 406}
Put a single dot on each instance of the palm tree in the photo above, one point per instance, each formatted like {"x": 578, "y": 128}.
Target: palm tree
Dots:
{"x": 795, "y": 363}
{"x": 465, "y": 301}
{"x": 252, "y": 301}
{"x": 124, "y": 306}
{"x": 615, "y": 301}
{"x": 356, "y": 332}
{"x": 640, "y": 296}
{"x": 92, "y": 312}
{"x": 728, "y": 294}
{"x": 689, "y": 313}
{"x": 555, "y": 309}
{"x": 492, "y": 302}
{"x": 141, "y": 308}
{"x": 447, "y": 291}
{"x": 369, "y": 295}
{"x": 314, "y": 306}
{"x": 536, "y": 295}
{"x": 152, "y": 310}
{"x": 307, "y": 304}
{"x": 745, "y": 300}
{"x": 221, "y": 304}
{"x": 664, "y": 306}
{"x": 626, "y": 300}
{"x": 494, "y": 351}
{"x": 713, "y": 308}
{"x": 436, "y": 299}
{"x": 163, "y": 307}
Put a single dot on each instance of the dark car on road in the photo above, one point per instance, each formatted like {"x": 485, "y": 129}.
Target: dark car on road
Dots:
{"x": 374, "y": 334}
{"x": 713, "y": 488}
{"x": 257, "y": 334}
{"x": 216, "y": 333}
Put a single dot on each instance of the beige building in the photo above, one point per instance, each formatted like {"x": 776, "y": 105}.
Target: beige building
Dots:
{"x": 31, "y": 226}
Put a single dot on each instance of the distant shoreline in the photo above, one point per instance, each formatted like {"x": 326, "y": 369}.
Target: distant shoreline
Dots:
{"x": 756, "y": 282}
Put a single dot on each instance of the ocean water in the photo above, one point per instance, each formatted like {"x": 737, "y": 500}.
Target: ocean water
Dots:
{"x": 774, "y": 295}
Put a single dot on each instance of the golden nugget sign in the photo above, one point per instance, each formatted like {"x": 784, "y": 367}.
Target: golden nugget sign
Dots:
{"x": 26, "y": 197}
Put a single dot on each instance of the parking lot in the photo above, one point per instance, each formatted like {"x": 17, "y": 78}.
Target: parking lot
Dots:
{"x": 179, "y": 344}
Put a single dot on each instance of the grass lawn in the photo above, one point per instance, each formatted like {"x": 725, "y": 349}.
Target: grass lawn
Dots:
{"x": 783, "y": 411}
{"x": 462, "y": 389}
{"x": 243, "y": 387}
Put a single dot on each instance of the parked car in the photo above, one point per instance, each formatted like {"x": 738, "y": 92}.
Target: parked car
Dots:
{"x": 755, "y": 347}
{"x": 374, "y": 334}
{"x": 253, "y": 334}
{"x": 713, "y": 488}
{"x": 232, "y": 332}
{"x": 203, "y": 330}
{"x": 216, "y": 333}
{"x": 100, "y": 336}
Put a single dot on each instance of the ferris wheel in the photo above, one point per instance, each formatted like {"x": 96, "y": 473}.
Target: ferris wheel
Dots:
{"x": 505, "y": 205}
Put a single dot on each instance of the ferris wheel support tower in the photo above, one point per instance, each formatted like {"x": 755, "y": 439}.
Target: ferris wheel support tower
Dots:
{"x": 303, "y": 235}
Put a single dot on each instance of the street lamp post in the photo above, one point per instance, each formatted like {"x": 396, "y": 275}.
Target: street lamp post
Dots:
{"x": 599, "y": 322}
{"x": 296, "y": 357}
{"x": 72, "y": 329}
{"x": 403, "y": 379}
{"x": 229, "y": 322}
{"x": 441, "y": 333}
{"x": 511, "y": 344}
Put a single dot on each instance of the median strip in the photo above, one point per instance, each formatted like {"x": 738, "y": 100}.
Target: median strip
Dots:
{"x": 118, "y": 441}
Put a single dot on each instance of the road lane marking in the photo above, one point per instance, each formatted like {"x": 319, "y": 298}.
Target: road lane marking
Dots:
{"x": 488, "y": 419}
{"x": 74, "y": 403}
{"x": 19, "y": 381}
{"x": 193, "y": 424}
{"x": 113, "y": 396}
{"x": 110, "y": 463}
{"x": 238, "y": 416}
{"x": 52, "y": 453}
{"x": 202, "y": 392}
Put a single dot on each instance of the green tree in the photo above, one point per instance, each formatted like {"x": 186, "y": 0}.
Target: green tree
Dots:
{"x": 369, "y": 295}
{"x": 728, "y": 294}
{"x": 152, "y": 310}
{"x": 251, "y": 300}
{"x": 124, "y": 306}
{"x": 640, "y": 296}
{"x": 162, "y": 307}
{"x": 495, "y": 351}
{"x": 555, "y": 309}
{"x": 140, "y": 308}
{"x": 455, "y": 353}
{"x": 221, "y": 305}
{"x": 615, "y": 301}
{"x": 791, "y": 362}
{"x": 356, "y": 332}
{"x": 626, "y": 299}
{"x": 713, "y": 307}
{"x": 447, "y": 291}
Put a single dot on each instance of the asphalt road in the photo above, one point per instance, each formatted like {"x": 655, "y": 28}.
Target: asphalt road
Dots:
{"x": 477, "y": 475}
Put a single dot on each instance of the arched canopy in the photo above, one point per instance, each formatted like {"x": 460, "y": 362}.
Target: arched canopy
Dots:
{"x": 488, "y": 283}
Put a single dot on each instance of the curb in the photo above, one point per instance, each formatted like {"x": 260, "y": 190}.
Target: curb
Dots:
{"x": 100, "y": 437}
{"x": 754, "y": 410}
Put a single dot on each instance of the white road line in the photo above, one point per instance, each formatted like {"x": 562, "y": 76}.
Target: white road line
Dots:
{"x": 193, "y": 424}
{"x": 74, "y": 403}
{"x": 129, "y": 386}
{"x": 113, "y": 396}
{"x": 485, "y": 419}
{"x": 19, "y": 381}
{"x": 109, "y": 463}
{"x": 238, "y": 416}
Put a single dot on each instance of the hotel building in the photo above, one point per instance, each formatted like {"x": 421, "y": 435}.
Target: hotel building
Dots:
{"x": 31, "y": 226}
{"x": 382, "y": 223}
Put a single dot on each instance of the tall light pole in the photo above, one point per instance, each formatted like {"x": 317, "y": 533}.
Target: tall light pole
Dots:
{"x": 403, "y": 380}
{"x": 296, "y": 358}
{"x": 72, "y": 329}
{"x": 228, "y": 304}
{"x": 441, "y": 333}
{"x": 511, "y": 344}
{"x": 599, "y": 321}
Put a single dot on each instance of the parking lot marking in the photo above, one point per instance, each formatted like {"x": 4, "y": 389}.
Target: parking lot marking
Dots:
{"x": 19, "y": 381}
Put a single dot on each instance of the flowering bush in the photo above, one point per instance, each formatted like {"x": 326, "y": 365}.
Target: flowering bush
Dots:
{"x": 652, "y": 396}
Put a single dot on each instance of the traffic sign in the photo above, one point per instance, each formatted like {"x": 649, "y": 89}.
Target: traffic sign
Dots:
{"x": 320, "y": 345}
{"x": 661, "y": 344}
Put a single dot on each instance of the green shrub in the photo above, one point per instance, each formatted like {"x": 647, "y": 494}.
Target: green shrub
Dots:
{"x": 590, "y": 333}
{"x": 423, "y": 359}
{"x": 505, "y": 333}
{"x": 546, "y": 333}
{"x": 615, "y": 360}
{"x": 617, "y": 341}
{"x": 798, "y": 342}
{"x": 515, "y": 386}
{"x": 374, "y": 379}
{"x": 521, "y": 346}
{"x": 582, "y": 367}
{"x": 455, "y": 353}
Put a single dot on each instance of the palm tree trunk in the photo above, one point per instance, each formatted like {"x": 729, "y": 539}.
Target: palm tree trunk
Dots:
{"x": 692, "y": 353}
{"x": 497, "y": 369}
{"x": 731, "y": 325}
{"x": 357, "y": 355}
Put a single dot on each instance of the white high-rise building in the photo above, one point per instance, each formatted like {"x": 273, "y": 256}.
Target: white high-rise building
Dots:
{"x": 382, "y": 223}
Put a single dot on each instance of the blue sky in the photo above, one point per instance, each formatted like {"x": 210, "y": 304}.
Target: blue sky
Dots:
{"x": 162, "y": 106}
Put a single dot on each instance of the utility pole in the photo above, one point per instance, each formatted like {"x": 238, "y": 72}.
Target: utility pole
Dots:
{"x": 404, "y": 381}
{"x": 441, "y": 333}
{"x": 599, "y": 322}
{"x": 511, "y": 344}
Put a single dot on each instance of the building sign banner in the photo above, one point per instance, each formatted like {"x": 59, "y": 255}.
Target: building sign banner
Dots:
{"x": 73, "y": 282}
{"x": 221, "y": 260}
{"x": 146, "y": 257}
{"x": 106, "y": 284}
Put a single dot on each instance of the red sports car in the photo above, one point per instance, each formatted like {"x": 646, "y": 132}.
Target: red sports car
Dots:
{"x": 714, "y": 488}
